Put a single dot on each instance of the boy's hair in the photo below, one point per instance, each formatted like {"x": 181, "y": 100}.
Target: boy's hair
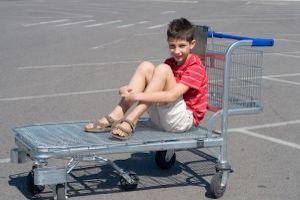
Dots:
{"x": 181, "y": 29}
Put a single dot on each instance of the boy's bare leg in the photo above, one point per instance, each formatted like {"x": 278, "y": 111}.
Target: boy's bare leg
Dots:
{"x": 162, "y": 80}
{"x": 138, "y": 83}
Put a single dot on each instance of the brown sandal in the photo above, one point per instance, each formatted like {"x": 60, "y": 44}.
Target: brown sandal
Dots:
{"x": 127, "y": 133}
{"x": 99, "y": 127}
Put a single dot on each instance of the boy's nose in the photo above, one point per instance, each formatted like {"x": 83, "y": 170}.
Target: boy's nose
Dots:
{"x": 177, "y": 50}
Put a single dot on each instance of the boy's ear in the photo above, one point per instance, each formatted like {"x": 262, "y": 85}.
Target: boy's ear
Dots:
{"x": 192, "y": 44}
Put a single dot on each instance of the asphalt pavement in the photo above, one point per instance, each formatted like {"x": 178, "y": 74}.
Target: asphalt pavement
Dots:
{"x": 65, "y": 60}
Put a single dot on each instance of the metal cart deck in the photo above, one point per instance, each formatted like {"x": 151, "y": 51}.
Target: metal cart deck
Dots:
{"x": 234, "y": 71}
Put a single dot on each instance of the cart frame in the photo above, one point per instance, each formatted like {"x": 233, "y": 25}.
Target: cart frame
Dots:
{"x": 31, "y": 143}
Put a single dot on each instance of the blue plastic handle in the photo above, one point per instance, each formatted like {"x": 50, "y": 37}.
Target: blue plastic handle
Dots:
{"x": 257, "y": 42}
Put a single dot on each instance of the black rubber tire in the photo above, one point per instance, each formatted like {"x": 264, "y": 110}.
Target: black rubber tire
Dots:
{"x": 32, "y": 188}
{"x": 160, "y": 160}
{"x": 125, "y": 185}
{"x": 61, "y": 192}
{"x": 215, "y": 185}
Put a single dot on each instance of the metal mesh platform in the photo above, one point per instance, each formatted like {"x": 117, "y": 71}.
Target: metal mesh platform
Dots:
{"x": 65, "y": 136}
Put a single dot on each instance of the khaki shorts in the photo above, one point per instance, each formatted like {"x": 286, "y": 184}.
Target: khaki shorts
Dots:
{"x": 171, "y": 117}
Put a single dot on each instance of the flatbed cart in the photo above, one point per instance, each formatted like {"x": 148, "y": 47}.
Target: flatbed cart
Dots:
{"x": 234, "y": 71}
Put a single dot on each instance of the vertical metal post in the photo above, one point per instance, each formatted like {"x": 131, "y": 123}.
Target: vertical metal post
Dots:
{"x": 224, "y": 124}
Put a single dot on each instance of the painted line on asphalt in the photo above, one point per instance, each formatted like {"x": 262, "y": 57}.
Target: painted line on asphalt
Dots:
{"x": 104, "y": 23}
{"x": 4, "y": 160}
{"x": 85, "y": 64}
{"x": 57, "y": 95}
{"x": 283, "y": 52}
{"x": 168, "y": 1}
{"x": 73, "y": 23}
{"x": 282, "y": 75}
{"x": 168, "y": 12}
{"x": 285, "y": 55}
{"x": 269, "y": 125}
{"x": 157, "y": 26}
{"x": 47, "y": 22}
{"x": 287, "y": 40}
{"x": 271, "y": 139}
{"x": 143, "y": 22}
{"x": 143, "y": 34}
{"x": 280, "y": 80}
{"x": 125, "y": 26}
{"x": 108, "y": 44}
{"x": 246, "y": 130}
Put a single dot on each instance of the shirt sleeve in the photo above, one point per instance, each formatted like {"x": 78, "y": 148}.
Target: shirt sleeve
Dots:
{"x": 193, "y": 76}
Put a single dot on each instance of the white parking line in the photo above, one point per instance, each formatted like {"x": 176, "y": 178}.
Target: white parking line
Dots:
{"x": 269, "y": 125}
{"x": 4, "y": 160}
{"x": 246, "y": 130}
{"x": 168, "y": 12}
{"x": 58, "y": 95}
{"x": 125, "y": 26}
{"x": 280, "y": 80}
{"x": 288, "y": 40}
{"x": 169, "y": 1}
{"x": 104, "y": 23}
{"x": 143, "y": 22}
{"x": 283, "y": 75}
{"x": 73, "y": 23}
{"x": 157, "y": 26}
{"x": 108, "y": 44}
{"x": 283, "y": 52}
{"x": 285, "y": 55}
{"x": 47, "y": 22}
{"x": 271, "y": 139}
{"x": 85, "y": 64}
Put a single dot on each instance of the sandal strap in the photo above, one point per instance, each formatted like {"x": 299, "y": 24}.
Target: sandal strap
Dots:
{"x": 109, "y": 119}
{"x": 124, "y": 130}
{"x": 131, "y": 124}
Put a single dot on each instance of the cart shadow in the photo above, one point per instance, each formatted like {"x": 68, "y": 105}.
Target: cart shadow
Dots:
{"x": 191, "y": 168}
{"x": 20, "y": 182}
{"x": 184, "y": 172}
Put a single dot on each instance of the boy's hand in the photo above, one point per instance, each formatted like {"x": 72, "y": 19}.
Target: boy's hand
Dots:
{"x": 127, "y": 93}
{"x": 124, "y": 90}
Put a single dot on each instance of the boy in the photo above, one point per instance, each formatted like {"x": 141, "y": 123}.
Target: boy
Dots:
{"x": 174, "y": 93}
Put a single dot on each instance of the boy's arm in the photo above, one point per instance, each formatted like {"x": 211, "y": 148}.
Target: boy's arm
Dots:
{"x": 162, "y": 96}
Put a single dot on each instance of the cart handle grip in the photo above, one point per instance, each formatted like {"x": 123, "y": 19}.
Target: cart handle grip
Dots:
{"x": 255, "y": 41}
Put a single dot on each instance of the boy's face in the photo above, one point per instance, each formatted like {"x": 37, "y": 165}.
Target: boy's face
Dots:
{"x": 180, "y": 49}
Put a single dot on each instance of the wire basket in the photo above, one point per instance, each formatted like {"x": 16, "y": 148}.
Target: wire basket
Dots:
{"x": 245, "y": 80}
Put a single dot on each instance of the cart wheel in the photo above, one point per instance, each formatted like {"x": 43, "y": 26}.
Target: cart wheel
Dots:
{"x": 34, "y": 189}
{"x": 61, "y": 192}
{"x": 160, "y": 159}
{"x": 215, "y": 185}
{"x": 125, "y": 185}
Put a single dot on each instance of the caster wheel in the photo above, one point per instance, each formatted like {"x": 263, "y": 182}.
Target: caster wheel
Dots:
{"x": 125, "y": 185}
{"x": 61, "y": 192}
{"x": 215, "y": 185}
{"x": 33, "y": 189}
{"x": 162, "y": 161}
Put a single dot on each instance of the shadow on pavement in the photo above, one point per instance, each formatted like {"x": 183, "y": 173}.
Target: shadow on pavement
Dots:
{"x": 190, "y": 169}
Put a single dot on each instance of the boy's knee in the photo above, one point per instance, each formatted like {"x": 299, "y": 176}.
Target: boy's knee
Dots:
{"x": 146, "y": 67}
{"x": 163, "y": 69}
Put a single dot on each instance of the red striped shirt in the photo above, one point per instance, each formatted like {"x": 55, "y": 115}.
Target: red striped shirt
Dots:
{"x": 192, "y": 73}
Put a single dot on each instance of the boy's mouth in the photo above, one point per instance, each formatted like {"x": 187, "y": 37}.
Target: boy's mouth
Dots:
{"x": 178, "y": 57}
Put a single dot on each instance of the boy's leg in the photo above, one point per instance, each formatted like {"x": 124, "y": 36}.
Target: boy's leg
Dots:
{"x": 140, "y": 79}
{"x": 162, "y": 80}
{"x": 138, "y": 83}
